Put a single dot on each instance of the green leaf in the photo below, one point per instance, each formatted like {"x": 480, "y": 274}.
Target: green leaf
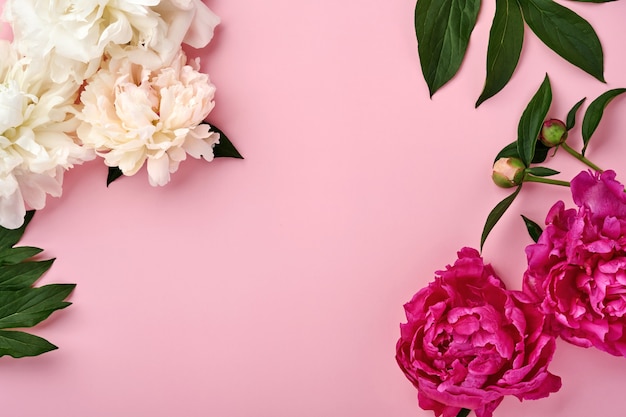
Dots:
{"x": 225, "y": 148}
{"x": 541, "y": 153}
{"x": 9, "y": 237}
{"x": 594, "y": 113}
{"x": 22, "y": 275}
{"x": 20, "y": 344}
{"x": 594, "y": 1}
{"x": 509, "y": 151}
{"x": 463, "y": 413}
{"x": 532, "y": 120}
{"x": 443, "y": 29}
{"x": 566, "y": 33}
{"x": 496, "y": 214}
{"x": 505, "y": 46}
{"x": 29, "y": 306}
{"x": 10, "y": 256}
{"x": 541, "y": 172}
{"x": 534, "y": 230}
{"x": 21, "y": 305}
{"x": 571, "y": 115}
{"x": 114, "y": 173}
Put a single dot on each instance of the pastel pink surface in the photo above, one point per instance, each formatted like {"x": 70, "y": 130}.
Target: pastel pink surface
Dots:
{"x": 274, "y": 286}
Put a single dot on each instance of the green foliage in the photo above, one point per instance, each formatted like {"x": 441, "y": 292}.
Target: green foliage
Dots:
{"x": 443, "y": 29}
{"x": 566, "y": 33}
{"x": 114, "y": 173}
{"x": 532, "y": 151}
{"x": 19, "y": 344}
{"x": 570, "y": 122}
{"x": 594, "y": 113}
{"x": 541, "y": 172}
{"x": 463, "y": 413}
{"x": 496, "y": 214}
{"x": 505, "y": 46}
{"x": 534, "y": 230}
{"x": 21, "y": 304}
{"x": 225, "y": 148}
{"x": 527, "y": 148}
{"x": 510, "y": 151}
{"x": 531, "y": 121}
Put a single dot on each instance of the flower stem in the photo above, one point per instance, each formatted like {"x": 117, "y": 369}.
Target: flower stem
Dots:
{"x": 532, "y": 178}
{"x": 580, "y": 157}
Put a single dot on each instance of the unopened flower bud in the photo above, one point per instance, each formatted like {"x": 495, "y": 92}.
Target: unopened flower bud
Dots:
{"x": 508, "y": 172}
{"x": 553, "y": 133}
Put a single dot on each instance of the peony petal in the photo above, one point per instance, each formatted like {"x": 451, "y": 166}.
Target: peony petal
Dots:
{"x": 159, "y": 170}
{"x": 600, "y": 193}
{"x": 464, "y": 331}
{"x": 201, "y": 29}
{"x": 12, "y": 210}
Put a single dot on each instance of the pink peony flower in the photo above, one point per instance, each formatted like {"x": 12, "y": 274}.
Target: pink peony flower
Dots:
{"x": 577, "y": 269}
{"x": 469, "y": 342}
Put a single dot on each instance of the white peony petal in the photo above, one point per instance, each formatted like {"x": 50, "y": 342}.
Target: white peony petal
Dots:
{"x": 159, "y": 170}
{"x": 199, "y": 147}
{"x": 12, "y": 210}
{"x": 35, "y": 187}
{"x": 201, "y": 29}
{"x": 36, "y": 141}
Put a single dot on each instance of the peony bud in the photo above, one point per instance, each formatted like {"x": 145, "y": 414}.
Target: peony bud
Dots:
{"x": 553, "y": 133}
{"x": 508, "y": 172}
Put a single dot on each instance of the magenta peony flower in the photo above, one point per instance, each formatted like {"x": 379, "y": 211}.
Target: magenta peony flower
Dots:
{"x": 577, "y": 269}
{"x": 469, "y": 342}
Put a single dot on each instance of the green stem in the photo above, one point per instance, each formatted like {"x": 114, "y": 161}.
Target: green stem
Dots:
{"x": 463, "y": 413}
{"x": 532, "y": 178}
{"x": 580, "y": 157}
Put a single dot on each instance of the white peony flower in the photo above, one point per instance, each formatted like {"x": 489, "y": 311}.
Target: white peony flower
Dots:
{"x": 133, "y": 115}
{"x": 36, "y": 128}
{"x": 77, "y": 33}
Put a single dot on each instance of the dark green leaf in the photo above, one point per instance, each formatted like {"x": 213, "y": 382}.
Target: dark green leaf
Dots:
{"x": 29, "y": 306}
{"x": 531, "y": 121}
{"x": 534, "y": 230}
{"x": 114, "y": 173}
{"x": 594, "y": 1}
{"x": 9, "y": 237}
{"x": 566, "y": 33}
{"x": 225, "y": 148}
{"x": 443, "y": 29}
{"x": 505, "y": 45}
{"x": 594, "y": 113}
{"x": 496, "y": 214}
{"x": 22, "y": 275}
{"x": 509, "y": 151}
{"x": 20, "y": 344}
{"x": 571, "y": 115}
{"x": 463, "y": 413}
{"x": 541, "y": 172}
{"x": 17, "y": 255}
{"x": 541, "y": 153}
{"x": 20, "y": 304}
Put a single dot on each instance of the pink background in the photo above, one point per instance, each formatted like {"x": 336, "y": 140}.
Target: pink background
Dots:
{"x": 273, "y": 286}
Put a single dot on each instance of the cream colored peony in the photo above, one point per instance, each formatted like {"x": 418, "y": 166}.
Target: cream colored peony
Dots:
{"x": 132, "y": 115}
{"x": 36, "y": 135}
{"x": 77, "y": 33}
